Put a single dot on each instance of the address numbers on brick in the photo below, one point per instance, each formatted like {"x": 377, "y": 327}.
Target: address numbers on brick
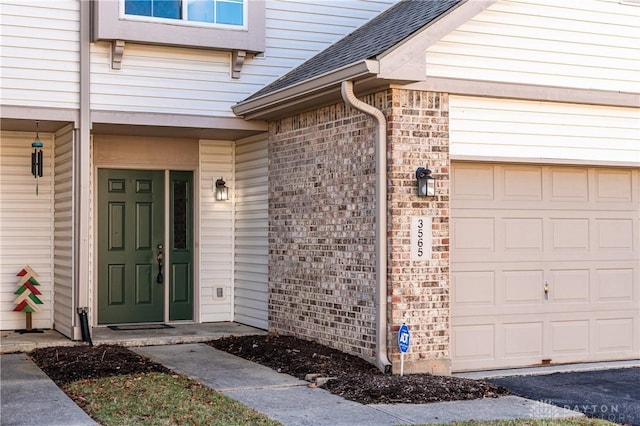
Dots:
{"x": 421, "y": 238}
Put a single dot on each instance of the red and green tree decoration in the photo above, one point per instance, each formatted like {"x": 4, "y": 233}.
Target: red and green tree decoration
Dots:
{"x": 27, "y": 300}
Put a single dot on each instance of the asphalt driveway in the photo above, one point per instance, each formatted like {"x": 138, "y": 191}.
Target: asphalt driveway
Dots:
{"x": 612, "y": 395}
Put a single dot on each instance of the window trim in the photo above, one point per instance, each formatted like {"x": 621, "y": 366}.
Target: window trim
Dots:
{"x": 110, "y": 23}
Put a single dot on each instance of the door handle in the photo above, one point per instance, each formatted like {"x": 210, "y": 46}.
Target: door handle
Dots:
{"x": 160, "y": 259}
{"x": 546, "y": 290}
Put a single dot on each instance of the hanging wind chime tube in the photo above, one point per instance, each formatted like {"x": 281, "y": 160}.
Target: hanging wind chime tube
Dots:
{"x": 36, "y": 156}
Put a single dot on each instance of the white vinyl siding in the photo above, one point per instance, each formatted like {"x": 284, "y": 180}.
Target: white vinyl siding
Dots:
{"x": 216, "y": 232}
{"x": 198, "y": 82}
{"x": 487, "y": 127}
{"x": 40, "y": 53}
{"x": 251, "y": 233}
{"x": 26, "y": 226}
{"x": 162, "y": 79}
{"x": 63, "y": 232}
{"x": 587, "y": 45}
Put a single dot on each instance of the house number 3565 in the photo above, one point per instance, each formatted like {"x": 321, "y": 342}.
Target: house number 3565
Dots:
{"x": 420, "y": 238}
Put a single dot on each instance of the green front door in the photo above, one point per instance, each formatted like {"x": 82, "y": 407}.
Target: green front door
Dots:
{"x": 131, "y": 225}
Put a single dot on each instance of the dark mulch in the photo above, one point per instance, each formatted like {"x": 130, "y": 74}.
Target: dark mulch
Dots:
{"x": 67, "y": 364}
{"x": 352, "y": 377}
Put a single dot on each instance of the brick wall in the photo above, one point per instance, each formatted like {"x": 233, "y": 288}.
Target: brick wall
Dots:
{"x": 322, "y": 275}
{"x": 419, "y": 136}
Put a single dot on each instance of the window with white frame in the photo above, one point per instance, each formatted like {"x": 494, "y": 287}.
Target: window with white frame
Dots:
{"x": 218, "y": 12}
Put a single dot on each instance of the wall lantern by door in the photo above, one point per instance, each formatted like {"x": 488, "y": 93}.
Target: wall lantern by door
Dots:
{"x": 222, "y": 192}
{"x": 37, "y": 157}
{"x": 426, "y": 182}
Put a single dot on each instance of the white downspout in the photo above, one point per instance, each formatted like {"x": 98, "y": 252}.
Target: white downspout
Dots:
{"x": 382, "y": 359}
{"x": 81, "y": 182}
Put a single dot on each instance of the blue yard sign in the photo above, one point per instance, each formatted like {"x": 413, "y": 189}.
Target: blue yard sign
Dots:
{"x": 403, "y": 338}
{"x": 403, "y": 344}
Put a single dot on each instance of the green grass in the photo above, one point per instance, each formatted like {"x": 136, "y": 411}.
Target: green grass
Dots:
{"x": 574, "y": 421}
{"x": 164, "y": 399}
{"x": 159, "y": 399}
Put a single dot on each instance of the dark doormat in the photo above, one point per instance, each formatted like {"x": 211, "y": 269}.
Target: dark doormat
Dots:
{"x": 139, "y": 327}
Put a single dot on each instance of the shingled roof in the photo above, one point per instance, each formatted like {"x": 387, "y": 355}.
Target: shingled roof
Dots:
{"x": 375, "y": 37}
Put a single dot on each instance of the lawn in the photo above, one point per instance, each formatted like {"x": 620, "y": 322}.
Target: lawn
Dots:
{"x": 159, "y": 399}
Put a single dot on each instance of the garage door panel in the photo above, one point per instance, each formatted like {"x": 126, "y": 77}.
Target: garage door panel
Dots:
{"x": 569, "y": 337}
{"x": 523, "y": 287}
{"x": 569, "y": 184}
{"x": 473, "y": 182}
{"x": 523, "y": 234}
{"x": 614, "y": 285}
{"x": 473, "y": 288}
{"x": 570, "y": 285}
{"x": 570, "y": 234}
{"x": 523, "y": 340}
{"x": 615, "y": 335}
{"x": 474, "y": 234}
{"x": 614, "y": 186}
{"x": 577, "y": 229}
{"x": 522, "y": 183}
{"x": 474, "y": 342}
{"x": 615, "y": 234}
{"x": 511, "y": 237}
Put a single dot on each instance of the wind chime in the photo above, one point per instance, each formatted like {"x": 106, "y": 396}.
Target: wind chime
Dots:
{"x": 36, "y": 157}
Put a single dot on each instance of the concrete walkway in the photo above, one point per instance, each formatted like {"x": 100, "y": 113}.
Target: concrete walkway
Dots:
{"x": 29, "y": 397}
{"x": 292, "y": 402}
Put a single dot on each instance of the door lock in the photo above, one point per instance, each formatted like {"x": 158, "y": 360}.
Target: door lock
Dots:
{"x": 160, "y": 259}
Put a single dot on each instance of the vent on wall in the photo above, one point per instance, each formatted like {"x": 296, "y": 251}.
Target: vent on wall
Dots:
{"x": 219, "y": 293}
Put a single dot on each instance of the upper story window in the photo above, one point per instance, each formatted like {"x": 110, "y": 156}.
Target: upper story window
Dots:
{"x": 235, "y": 25}
{"x": 220, "y": 12}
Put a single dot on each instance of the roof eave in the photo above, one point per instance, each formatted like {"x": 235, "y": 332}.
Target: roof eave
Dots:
{"x": 404, "y": 63}
{"x": 267, "y": 105}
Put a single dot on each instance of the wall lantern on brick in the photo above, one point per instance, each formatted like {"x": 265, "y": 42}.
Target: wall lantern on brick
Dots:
{"x": 221, "y": 190}
{"x": 426, "y": 182}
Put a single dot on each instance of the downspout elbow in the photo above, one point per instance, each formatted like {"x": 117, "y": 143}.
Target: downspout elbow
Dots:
{"x": 382, "y": 358}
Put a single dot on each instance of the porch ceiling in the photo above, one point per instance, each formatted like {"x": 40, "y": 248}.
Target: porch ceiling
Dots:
{"x": 25, "y": 125}
{"x": 174, "y": 132}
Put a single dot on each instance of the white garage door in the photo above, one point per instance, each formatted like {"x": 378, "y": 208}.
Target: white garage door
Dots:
{"x": 518, "y": 229}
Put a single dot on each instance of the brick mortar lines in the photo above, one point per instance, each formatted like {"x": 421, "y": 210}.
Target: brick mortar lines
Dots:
{"x": 419, "y": 136}
{"x": 322, "y": 238}
{"x": 322, "y": 215}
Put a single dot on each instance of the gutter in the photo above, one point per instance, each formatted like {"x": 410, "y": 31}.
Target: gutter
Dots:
{"x": 382, "y": 359}
{"x": 253, "y": 107}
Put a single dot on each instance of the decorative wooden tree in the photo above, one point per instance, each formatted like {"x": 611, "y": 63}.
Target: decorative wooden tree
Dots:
{"x": 28, "y": 300}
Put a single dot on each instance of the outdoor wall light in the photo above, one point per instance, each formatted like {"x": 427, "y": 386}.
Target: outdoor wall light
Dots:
{"x": 37, "y": 157}
{"x": 426, "y": 182}
{"x": 222, "y": 192}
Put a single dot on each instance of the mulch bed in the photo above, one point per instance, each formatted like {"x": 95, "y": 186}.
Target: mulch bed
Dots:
{"x": 350, "y": 377}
